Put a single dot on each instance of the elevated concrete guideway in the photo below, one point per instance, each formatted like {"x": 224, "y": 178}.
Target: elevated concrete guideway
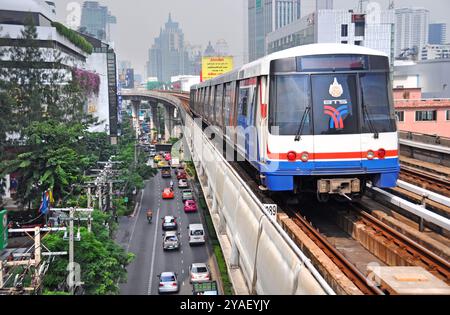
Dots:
{"x": 171, "y": 114}
{"x": 260, "y": 256}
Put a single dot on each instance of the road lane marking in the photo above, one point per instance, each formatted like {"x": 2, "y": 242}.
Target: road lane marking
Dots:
{"x": 150, "y": 280}
{"x": 135, "y": 220}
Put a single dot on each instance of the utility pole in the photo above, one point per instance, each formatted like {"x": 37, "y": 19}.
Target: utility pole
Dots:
{"x": 89, "y": 196}
{"x": 72, "y": 269}
{"x": 100, "y": 205}
{"x": 36, "y": 261}
{"x": 71, "y": 254}
{"x": 1, "y": 274}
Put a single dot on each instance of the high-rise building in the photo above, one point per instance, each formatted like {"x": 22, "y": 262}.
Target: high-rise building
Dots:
{"x": 324, "y": 5}
{"x": 168, "y": 57}
{"x": 265, "y": 16}
{"x": 52, "y": 6}
{"x": 337, "y": 26}
{"x": 222, "y": 48}
{"x": 412, "y": 30}
{"x": 96, "y": 20}
{"x": 437, "y": 34}
{"x": 432, "y": 52}
{"x": 209, "y": 51}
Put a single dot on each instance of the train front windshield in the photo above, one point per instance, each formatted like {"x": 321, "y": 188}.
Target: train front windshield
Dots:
{"x": 331, "y": 95}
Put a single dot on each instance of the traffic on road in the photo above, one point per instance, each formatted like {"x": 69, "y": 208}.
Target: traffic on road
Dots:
{"x": 168, "y": 237}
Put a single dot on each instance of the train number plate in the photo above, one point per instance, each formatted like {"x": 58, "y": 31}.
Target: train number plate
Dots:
{"x": 271, "y": 209}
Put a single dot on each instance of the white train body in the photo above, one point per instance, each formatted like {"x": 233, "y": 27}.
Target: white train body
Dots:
{"x": 322, "y": 118}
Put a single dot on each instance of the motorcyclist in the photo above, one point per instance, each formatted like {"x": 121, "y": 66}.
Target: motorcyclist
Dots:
{"x": 149, "y": 215}
{"x": 171, "y": 185}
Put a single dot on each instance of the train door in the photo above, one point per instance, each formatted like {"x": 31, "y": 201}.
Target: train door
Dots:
{"x": 337, "y": 141}
{"x": 246, "y": 102}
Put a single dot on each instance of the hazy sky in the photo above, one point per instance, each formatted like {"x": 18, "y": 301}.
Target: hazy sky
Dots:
{"x": 139, "y": 21}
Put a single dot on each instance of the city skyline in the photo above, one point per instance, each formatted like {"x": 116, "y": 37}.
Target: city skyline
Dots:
{"x": 140, "y": 18}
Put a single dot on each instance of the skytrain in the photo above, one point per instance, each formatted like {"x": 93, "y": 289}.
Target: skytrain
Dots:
{"x": 315, "y": 118}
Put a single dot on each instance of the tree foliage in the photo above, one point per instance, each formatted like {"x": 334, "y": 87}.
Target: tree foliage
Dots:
{"x": 103, "y": 262}
{"x": 53, "y": 160}
{"x": 38, "y": 85}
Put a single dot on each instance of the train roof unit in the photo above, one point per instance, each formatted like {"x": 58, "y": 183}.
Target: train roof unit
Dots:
{"x": 262, "y": 66}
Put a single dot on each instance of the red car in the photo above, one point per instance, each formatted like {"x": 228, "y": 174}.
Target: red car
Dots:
{"x": 168, "y": 194}
{"x": 181, "y": 174}
{"x": 190, "y": 206}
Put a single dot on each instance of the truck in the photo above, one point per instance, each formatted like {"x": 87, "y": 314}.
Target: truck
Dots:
{"x": 205, "y": 288}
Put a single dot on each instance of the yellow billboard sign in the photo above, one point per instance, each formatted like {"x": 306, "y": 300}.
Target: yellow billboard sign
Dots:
{"x": 215, "y": 66}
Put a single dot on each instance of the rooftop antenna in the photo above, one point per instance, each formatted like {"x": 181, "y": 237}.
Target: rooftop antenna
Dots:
{"x": 361, "y": 4}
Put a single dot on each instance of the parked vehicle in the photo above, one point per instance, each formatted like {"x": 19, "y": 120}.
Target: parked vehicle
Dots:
{"x": 196, "y": 234}
{"x": 168, "y": 282}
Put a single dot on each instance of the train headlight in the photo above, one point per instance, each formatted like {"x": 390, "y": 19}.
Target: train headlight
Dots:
{"x": 292, "y": 156}
{"x": 305, "y": 157}
{"x": 381, "y": 153}
{"x": 370, "y": 155}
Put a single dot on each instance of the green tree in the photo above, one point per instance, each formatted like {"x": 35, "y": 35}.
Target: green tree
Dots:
{"x": 38, "y": 84}
{"x": 103, "y": 262}
{"x": 51, "y": 161}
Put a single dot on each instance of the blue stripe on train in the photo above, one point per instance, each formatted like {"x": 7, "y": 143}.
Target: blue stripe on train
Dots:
{"x": 280, "y": 174}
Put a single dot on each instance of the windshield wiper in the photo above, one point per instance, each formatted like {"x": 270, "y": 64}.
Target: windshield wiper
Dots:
{"x": 298, "y": 135}
{"x": 372, "y": 128}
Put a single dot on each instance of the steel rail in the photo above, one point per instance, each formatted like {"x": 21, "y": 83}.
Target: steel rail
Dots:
{"x": 354, "y": 274}
{"x": 429, "y": 260}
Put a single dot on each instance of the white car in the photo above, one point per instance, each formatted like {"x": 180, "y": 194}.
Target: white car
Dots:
{"x": 168, "y": 282}
{"x": 182, "y": 183}
{"x": 199, "y": 273}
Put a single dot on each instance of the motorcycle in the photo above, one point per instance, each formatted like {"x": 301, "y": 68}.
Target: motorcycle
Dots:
{"x": 149, "y": 217}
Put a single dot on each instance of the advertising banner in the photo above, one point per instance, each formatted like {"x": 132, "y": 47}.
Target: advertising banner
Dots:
{"x": 215, "y": 66}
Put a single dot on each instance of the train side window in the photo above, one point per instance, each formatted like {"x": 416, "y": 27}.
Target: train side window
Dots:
{"x": 207, "y": 104}
{"x": 218, "y": 104}
{"x": 211, "y": 104}
{"x": 243, "y": 101}
{"x": 227, "y": 108}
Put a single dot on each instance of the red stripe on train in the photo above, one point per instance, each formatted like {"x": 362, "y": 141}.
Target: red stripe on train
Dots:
{"x": 331, "y": 156}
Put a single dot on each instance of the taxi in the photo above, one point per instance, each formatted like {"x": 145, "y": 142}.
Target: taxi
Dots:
{"x": 168, "y": 194}
{"x": 161, "y": 164}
